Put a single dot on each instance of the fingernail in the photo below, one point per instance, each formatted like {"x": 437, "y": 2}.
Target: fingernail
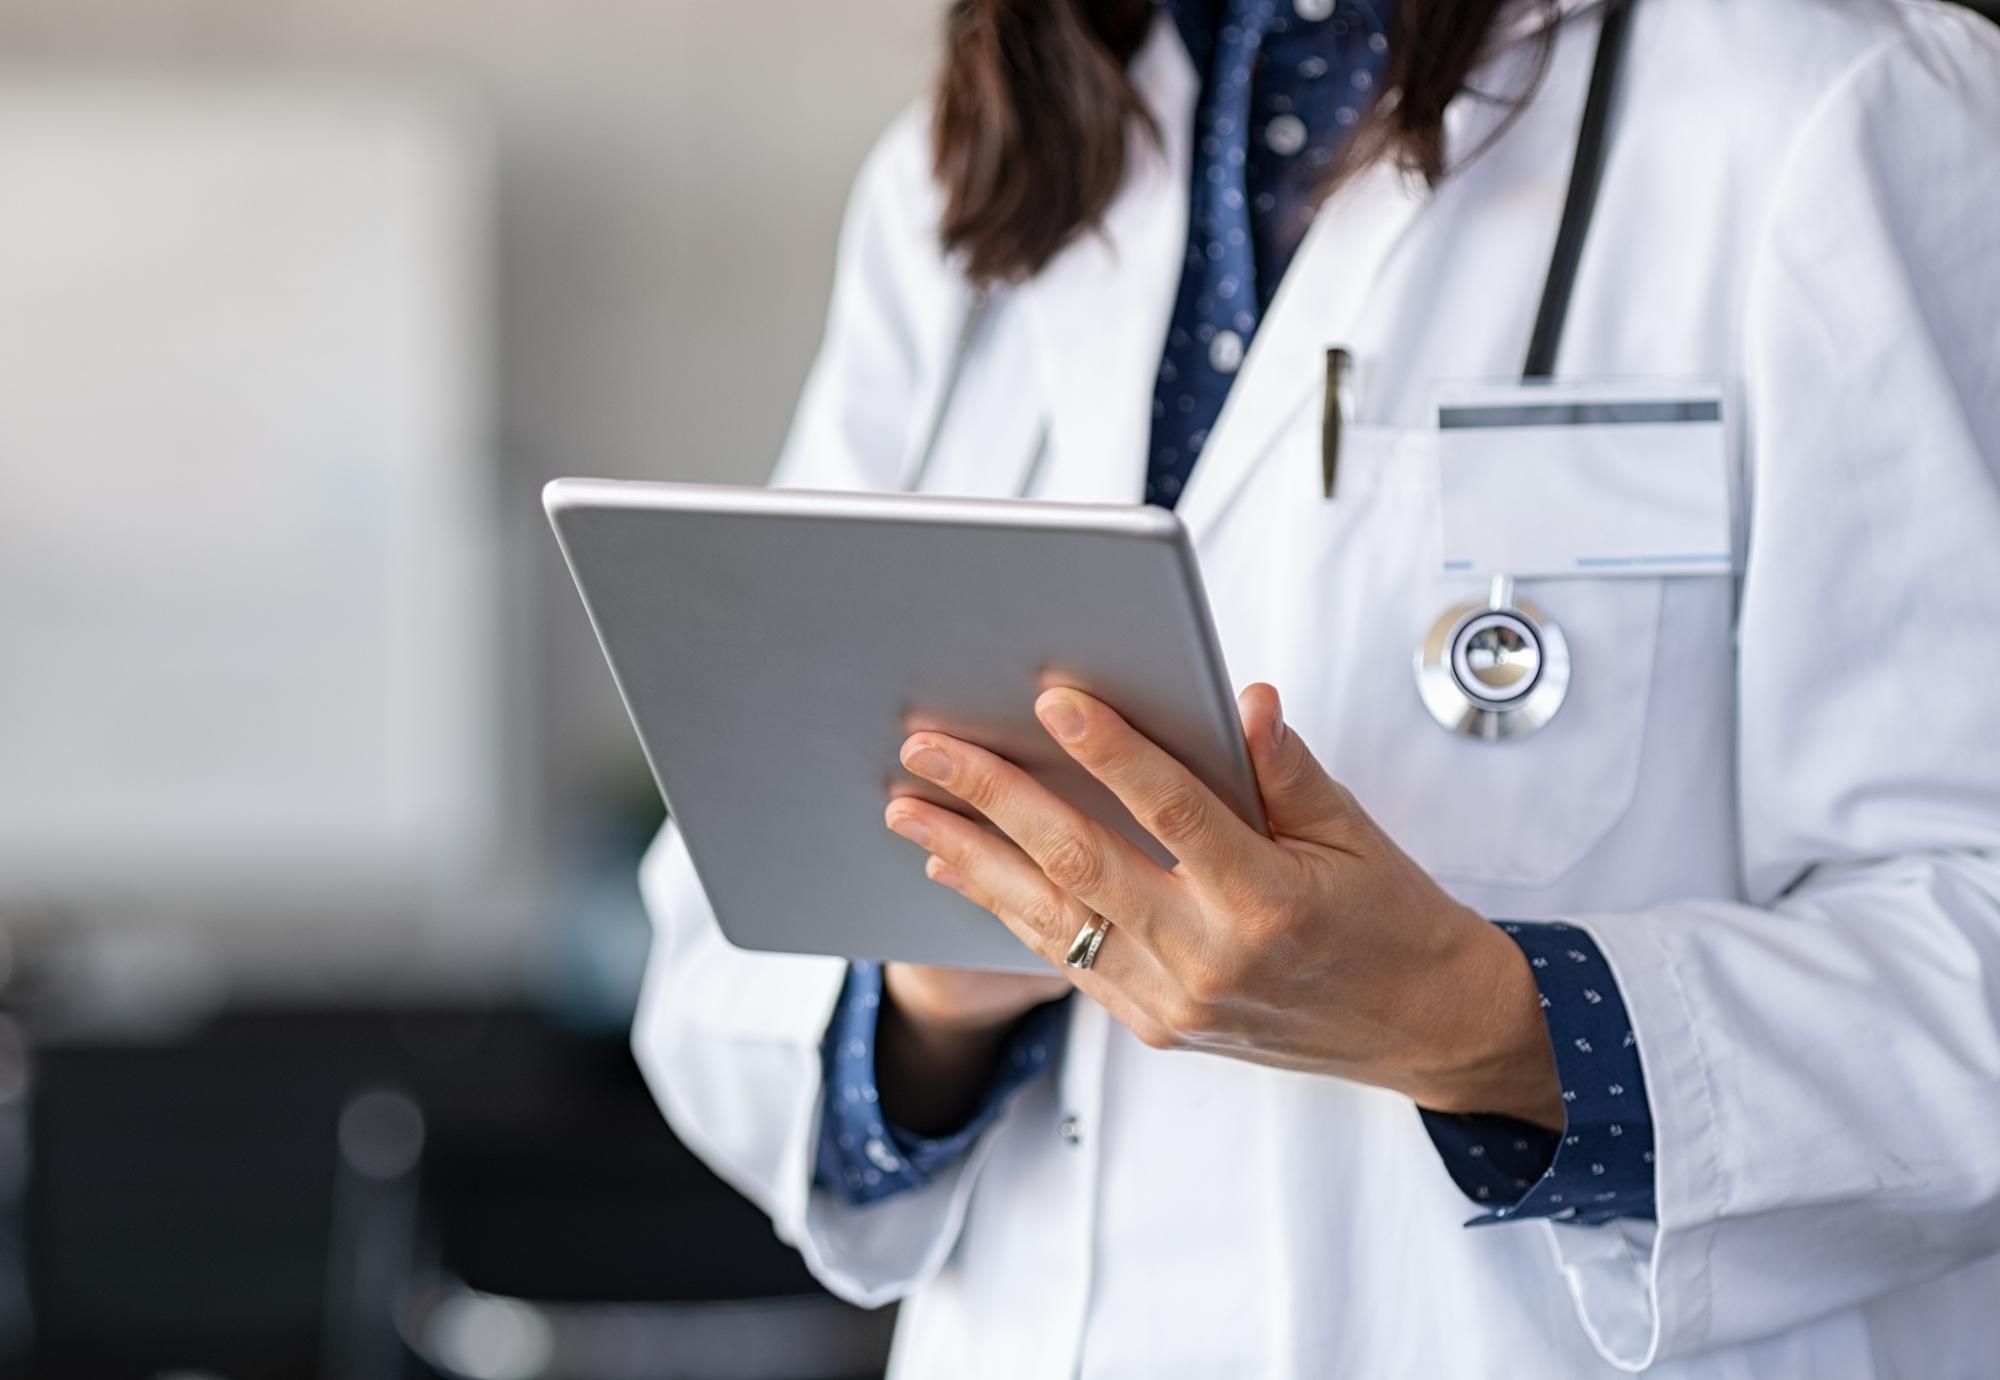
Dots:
{"x": 943, "y": 873}
{"x": 927, "y": 762}
{"x": 911, "y": 828}
{"x": 1277, "y": 720}
{"x": 1060, "y": 718}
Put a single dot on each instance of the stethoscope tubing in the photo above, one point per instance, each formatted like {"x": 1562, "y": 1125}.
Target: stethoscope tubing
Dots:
{"x": 1586, "y": 175}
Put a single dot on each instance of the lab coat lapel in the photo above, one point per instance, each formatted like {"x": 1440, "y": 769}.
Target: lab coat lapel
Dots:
{"x": 1098, "y": 311}
{"x": 1329, "y": 294}
{"x": 1320, "y": 302}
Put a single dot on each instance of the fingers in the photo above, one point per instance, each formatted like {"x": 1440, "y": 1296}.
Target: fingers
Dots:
{"x": 993, "y": 873}
{"x": 1079, "y": 856}
{"x": 1164, "y": 796}
{"x": 1300, "y": 799}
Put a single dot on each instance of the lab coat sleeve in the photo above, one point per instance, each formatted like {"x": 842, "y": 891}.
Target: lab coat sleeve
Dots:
{"x": 729, "y": 1040}
{"x": 1824, "y": 1061}
{"x": 896, "y": 308}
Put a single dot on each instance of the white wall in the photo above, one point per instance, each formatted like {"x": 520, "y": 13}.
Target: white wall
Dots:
{"x": 670, "y": 176}
{"x": 245, "y": 521}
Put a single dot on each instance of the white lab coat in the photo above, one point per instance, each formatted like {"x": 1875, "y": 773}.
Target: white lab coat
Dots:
{"x": 1774, "y": 801}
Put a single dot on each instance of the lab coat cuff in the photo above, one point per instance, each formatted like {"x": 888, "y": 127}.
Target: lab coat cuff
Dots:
{"x": 878, "y": 1252}
{"x": 1644, "y": 1289}
{"x": 866, "y": 1157}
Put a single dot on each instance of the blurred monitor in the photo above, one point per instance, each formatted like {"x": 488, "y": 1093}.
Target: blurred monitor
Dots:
{"x": 247, "y": 534}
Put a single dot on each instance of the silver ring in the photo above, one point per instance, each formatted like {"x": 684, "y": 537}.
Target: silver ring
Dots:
{"x": 1083, "y": 949}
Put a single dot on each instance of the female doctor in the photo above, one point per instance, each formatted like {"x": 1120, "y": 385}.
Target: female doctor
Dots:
{"x": 1647, "y": 1018}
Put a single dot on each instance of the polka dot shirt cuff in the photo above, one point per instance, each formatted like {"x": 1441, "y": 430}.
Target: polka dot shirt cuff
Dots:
{"x": 1600, "y": 1166}
{"x": 861, "y": 1156}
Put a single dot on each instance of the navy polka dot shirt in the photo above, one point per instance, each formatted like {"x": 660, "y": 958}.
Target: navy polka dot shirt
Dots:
{"x": 1601, "y": 1164}
{"x": 861, "y": 1155}
{"x": 1283, "y": 81}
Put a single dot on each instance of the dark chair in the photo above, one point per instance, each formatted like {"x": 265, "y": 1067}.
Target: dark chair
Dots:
{"x": 388, "y": 1291}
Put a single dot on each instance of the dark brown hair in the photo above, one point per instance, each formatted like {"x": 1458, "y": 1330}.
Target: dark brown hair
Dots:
{"x": 1034, "y": 108}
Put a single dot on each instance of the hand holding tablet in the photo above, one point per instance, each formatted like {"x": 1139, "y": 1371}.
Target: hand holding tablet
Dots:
{"x": 775, "y": 649}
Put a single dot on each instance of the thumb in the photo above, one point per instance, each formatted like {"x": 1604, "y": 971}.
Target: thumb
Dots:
{"x": 1300, "y": 799}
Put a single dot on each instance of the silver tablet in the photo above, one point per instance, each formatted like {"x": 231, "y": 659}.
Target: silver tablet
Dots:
{"x": 775, "y": 647}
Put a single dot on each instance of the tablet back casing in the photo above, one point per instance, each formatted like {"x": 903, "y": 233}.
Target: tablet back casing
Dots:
{"x": 774, "y": 648}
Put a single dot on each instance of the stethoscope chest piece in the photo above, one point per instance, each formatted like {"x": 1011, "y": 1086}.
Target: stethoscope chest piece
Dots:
{"x": 1496, "y": 670}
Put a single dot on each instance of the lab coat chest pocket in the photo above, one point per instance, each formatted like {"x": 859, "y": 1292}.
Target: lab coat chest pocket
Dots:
{"x": 1367, "y": 585}
{"x": 1526, "y": 811}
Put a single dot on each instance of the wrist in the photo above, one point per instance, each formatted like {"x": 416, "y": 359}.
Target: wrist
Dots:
{"x": 1490, "y": 1053}
{"x": 929, "y": 1069}
{"x": 943, "y": 1007}
{"x": 943, "y": 1040}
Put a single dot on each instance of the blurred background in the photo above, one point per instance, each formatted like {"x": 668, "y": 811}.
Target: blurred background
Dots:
{"x": 318, "y": 811}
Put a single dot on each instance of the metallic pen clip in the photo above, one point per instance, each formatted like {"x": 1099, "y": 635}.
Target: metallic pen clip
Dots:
{"x": 1337, "y": 409}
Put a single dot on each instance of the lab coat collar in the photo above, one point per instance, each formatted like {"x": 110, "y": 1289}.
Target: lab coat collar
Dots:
{"x": 1527, "y": 18}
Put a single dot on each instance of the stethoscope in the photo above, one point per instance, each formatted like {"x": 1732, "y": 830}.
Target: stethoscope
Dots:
{"x": 1493, "y": 669}
{"x": 1500, "y": 668}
